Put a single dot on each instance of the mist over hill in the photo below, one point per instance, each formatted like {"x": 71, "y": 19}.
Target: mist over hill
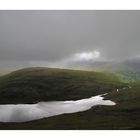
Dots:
{"x": 128, "y": 69}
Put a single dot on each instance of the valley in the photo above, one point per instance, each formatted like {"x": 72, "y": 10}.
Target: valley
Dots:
{"x": 22, "y": 87}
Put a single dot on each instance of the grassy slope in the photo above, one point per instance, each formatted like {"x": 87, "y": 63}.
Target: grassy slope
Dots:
{"x": 124, "y": 115}
{"x": 32, "y": 85}
{"x": 126, "y": 73}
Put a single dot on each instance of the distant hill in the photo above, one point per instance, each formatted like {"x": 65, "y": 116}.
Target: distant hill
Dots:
{"x": 31, "y": 85}
{"x": 127, "y": 71}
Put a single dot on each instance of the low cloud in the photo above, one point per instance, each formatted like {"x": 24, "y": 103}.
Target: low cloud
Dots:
{"x": 87, "y": 56}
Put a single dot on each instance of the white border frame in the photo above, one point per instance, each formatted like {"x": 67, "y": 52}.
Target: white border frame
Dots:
{"x": 70, "y": 5}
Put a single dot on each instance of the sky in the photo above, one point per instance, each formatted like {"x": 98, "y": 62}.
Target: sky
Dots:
{"x": 54, "y": 38}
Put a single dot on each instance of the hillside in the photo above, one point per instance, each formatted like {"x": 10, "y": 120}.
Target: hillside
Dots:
{"x": 31, "y": 85}
{"x": 127, "y": 71}
{"x": 124, "y": 115}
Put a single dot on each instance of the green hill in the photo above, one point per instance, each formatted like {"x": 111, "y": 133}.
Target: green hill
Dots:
{"x": 31, "y": 85}
{"x": 127, "y": 71}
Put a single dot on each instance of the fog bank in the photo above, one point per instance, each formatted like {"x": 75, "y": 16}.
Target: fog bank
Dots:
{"x": 28, "y": 112}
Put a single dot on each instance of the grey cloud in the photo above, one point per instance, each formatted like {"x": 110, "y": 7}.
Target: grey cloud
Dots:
{"x": 55, "y": 35}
